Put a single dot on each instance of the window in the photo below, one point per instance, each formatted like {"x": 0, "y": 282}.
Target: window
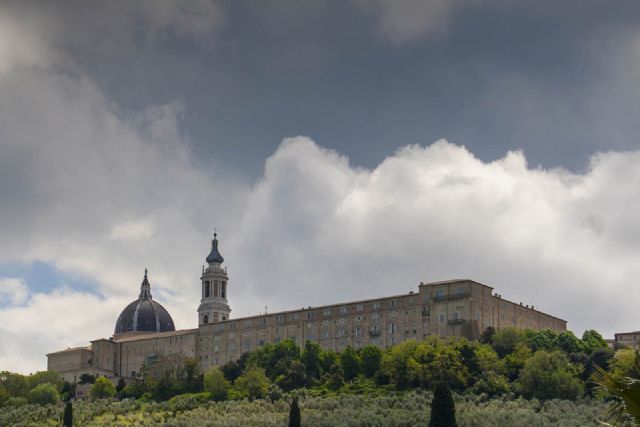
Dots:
{"x": 376, "y": 305}
{"x": 441, "y": 318}
{"x": 261, "y": 331}
{"x": 264, "y": 320}
{"x": 215, "y": 289}
{"x": 310, "y": 315}
{"x": 325, "y": 334}
{"x": 343, "y": 309}
{"x": 247, "y": 323}
{"x": 309, "y": 325}
{"x": 360, "y": 307}
{"x": 393, "y": 314}
{"x": 358, "y": 318}
{"x": 394, "y": 303}
{"x": 376, "y": 315}
{"x": 325, "y": 323}
{"x": 216, "y": 348}
{"x": 392, "y": 328}
{"x": 327, "y": 312}
{"x": 342, "y": 321}
{"x": 207, "y": 289}
{"x": 205, "y": 319}
{"x": 223, "y": 291}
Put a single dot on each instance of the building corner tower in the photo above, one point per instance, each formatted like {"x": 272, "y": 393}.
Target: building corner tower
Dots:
{"x": 214, "y": 306}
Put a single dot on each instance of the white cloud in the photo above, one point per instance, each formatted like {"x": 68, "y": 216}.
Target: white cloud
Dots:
{"x": 13, "y": 291}
{"x": 402, "y": 21}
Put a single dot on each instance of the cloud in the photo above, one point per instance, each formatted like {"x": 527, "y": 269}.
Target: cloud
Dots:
{"x": 401, "y": 21}
{"x": 13, "y": 291}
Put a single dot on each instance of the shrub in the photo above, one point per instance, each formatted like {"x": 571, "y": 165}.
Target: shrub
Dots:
{"x": 216, "y": 384}
{"x": 44, "y": 394}
{"x": 102, "y": 389}
{"x": 253, "y": 384}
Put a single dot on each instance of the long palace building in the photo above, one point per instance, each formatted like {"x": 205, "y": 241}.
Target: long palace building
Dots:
{"x": 144, "y": 330}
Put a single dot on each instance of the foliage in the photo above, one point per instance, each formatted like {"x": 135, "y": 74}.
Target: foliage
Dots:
{"x": 15, "y": 384}
{"x": 549, "y": 375}
{"x": 67, "y": 419}
{"x": 216, "y": 384}
{"x": 312, "y": 359}
{"x": 102, "y": 389}
{"x": 294, "y": 413}
{"x": 42, "y": 377}
{"x": 592, "y": 340}
{"x": 87, "y": 379}
{"x": 370, "y": 357}
{"x": 625, "y": 410}
{"x": 231, "y": 370}
{"x": 506, "y": 340}
{"x": 253, "y": 384}
{"x": 43, "y": 394}
{"x": 443, "y": 408}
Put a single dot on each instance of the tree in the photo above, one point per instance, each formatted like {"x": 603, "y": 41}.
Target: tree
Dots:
{"x": 592, "y": 340}
{"x": 120, "y": 386}
{"x": 568, "y": 342}
{"x": 87, "y": 379}
{"x": 102, "y": 389}
{"x": 626, "y": 409}
{"x": 216, "y": 384}
{"x": 16, "y": 385}
{"x": 487, "y": 335}
{"x": 312, "y": 359}
{"x": 443, "y": 408}
{"x": 350, "y": 363}
{"x": 231, "y": 370}
{"x": 42, "y": 377}
{"x": 505, "y": 341}
{"x": 253, "y": 383}
{"x": 294, "y": 413}
{"x": 549, "y": 375}
{"x": 294, "y": 377}
{"x": 68, "y": 415}
{"x": 370, "y": 357}
{"x": 43, "y": 394}
{"x": 4, "y": 395}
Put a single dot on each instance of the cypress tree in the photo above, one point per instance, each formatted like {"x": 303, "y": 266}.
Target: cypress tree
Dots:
{"x": 68, "y": 415}
{"x": 294, "y": 414}
{"x": 443, "y": 409}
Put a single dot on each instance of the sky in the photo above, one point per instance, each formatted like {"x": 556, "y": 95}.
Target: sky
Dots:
{"x": 341, "y": 149}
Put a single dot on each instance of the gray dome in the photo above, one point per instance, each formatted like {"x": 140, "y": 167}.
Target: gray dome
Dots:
{"x": 214, "y": 255}
{"x": 144, "y": 314}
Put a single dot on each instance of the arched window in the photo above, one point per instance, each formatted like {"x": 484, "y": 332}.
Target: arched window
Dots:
{"x": 207, "y": 289}
{"x": 205, "y": 318}
{"x": 223, "y": 289}
{"x": 224, "y": 317}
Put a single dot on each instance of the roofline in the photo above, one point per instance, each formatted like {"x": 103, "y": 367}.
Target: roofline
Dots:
{"x": 69, "y": 350}
{"x": 148, "y": 336}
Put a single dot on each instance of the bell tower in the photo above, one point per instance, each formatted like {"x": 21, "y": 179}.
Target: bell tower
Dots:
{"x": 214, "y": 306}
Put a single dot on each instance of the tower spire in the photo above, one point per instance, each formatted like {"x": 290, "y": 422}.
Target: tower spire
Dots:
{"x": 214, "y": 255}
{"x": 145, "y": 287}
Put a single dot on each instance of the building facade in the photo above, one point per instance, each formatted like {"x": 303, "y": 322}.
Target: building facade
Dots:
{"x": 144, "y": 331}
{"x": 627, "y": 339}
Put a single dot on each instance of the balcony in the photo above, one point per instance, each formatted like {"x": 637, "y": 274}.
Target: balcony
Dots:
{"x": 455, "y": 321}
{"x": 451, "y": 297}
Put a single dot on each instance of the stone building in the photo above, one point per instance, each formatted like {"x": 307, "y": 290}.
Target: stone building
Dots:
{"x": 144, "y": 330}
{"x": 627, "y": 339}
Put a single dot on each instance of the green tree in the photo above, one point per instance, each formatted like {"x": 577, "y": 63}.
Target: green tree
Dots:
{"x": 16, "y": 385}
{"x": 592, "y": 340}
{"x": 370, "y": 357}
{"x": 544, "y": 339}
{"x": 4, "y": 395}
{"x": 87, "y": 379}
{"x": 102, "y": 389}
{"x": 42, "y": 377}
{"x": 231, "y": 370}
{"x": 433, "y": 361}
{"x": 67, "y": 419}
{"x": 625, "y": 410}
{"x": 568, "y": 342}
{"x": 491, "y": 378}
{"x": 295, "y": 376}
{"x": 294, "y": 413}
{"x": 623, "y": 364}
{"x": 253, "y": 383}
{"x": 43, "y": 394}
{"x": 515, "y": 361}
{"x": 505, "y": 340}
{"x": 216, "y": 384}
{"x": 443, "y": 408}
{"x": 549, "y": 375}
{"x": 350, "y": 363}
{"x": 120, "y": 386}
{"x": 395, "y": 363}
{"x": 312, "y": 359}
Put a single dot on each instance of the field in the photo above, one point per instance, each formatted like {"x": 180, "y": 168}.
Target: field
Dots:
{"x": 392, "y": 409}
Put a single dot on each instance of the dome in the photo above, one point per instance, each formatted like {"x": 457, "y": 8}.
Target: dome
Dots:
{"x": 214, "y": 255}
{"x": 144, "y": 314}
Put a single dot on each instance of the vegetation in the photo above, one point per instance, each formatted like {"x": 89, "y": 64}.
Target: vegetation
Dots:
{"x": 102, "y": 388}
{"x": 443, "y": 408}
{"x": 625, "y": 390}
{"x": 294, "y": 413}
{"x": 509, "y": 377}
